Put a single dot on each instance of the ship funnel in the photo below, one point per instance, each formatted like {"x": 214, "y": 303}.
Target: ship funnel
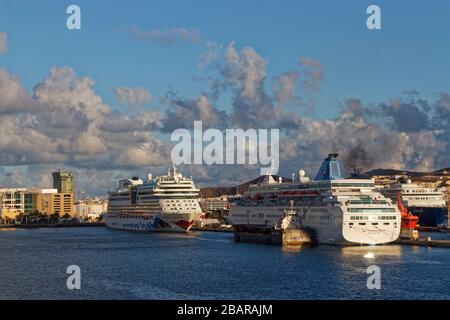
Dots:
{"x": 330, "y": 168}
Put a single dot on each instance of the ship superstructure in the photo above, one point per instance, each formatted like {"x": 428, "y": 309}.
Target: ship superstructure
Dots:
{"x": 341, "y": 211}
{"x": 165, "y": 203}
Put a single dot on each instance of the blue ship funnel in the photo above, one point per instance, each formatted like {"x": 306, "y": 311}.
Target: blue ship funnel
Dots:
{"x": 330, "y": 168}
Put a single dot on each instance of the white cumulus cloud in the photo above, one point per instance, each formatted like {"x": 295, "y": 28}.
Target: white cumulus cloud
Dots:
{"x": 132, "y": 96}
{"x": 3, "y": 42}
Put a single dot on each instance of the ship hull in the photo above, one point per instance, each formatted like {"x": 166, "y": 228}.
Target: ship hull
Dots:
{"x": 180, "y": 223}
{"x": 338, "y": 230}
{"x": 429, "y": 216}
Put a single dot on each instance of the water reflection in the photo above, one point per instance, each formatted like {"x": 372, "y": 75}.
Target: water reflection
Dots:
{"x": 294, "y": 248}
{"x": 116, "y": 266}
{"x": 10, "y": 229}
{"x": 370, "y": 252}
{"x": 369, "y": 255}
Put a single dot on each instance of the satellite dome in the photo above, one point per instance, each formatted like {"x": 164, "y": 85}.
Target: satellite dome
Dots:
{"x": 408, "y": 181}
{"x": 301, "y": 173}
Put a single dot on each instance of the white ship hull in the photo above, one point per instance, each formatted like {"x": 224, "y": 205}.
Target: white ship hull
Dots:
{"x": 331, "y": 227}
{"x": 152, "y": 223}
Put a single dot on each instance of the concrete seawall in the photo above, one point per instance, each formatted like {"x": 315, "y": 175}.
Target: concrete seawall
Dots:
{"x": 424, "y": 242}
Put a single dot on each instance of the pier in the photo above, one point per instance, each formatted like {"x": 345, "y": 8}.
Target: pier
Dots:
{"x": 425, "y": 242}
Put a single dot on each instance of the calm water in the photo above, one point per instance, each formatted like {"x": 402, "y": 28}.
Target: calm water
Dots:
{"x": 203, "y": 265}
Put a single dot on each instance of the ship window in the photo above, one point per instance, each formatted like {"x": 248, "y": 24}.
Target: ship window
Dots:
{"x": 362, "y": 223}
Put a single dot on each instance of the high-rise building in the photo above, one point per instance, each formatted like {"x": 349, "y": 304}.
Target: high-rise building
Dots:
{"x": 63, "y": 181}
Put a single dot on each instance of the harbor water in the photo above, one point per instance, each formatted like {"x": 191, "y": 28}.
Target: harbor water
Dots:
{"x": 209, "y": 265}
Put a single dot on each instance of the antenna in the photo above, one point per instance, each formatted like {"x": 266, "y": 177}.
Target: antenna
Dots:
{"x": 270, "y": 171}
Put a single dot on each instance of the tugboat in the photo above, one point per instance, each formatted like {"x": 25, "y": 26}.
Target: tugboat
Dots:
{"x": 291, "y": 229}
{"x": 409, "y": 222}
{"x": 288, "y": 220}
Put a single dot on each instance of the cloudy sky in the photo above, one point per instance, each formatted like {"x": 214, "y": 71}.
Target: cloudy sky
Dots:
{"x": 102, "y": 101}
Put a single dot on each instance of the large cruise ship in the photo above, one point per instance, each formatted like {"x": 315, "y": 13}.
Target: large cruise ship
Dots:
{"x": 427, "y": 203}
{"x": 165, "y": 203}
{"x": 341, "y": 211}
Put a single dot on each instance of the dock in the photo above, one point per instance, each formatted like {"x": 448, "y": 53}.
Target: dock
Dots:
{"x": 271, "y": 236}
{"x": 425, "y": 242}
{"x": 433, "y": 229}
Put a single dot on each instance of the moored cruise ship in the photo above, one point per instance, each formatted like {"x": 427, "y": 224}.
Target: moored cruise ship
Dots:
{"x": 341, "y": 211}
{"x": 166, "y": 203}
{"x": 428, "y": 204}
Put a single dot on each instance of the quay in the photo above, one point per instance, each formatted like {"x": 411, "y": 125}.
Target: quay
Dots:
{"x": 51, "y": 225}
{"x": 433, "y": 229}
{"x": 211, "y": 229}
{"x": 426, "y": 242}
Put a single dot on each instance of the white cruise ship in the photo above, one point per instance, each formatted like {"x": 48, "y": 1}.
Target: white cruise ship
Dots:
{"x": 167, "y": 203}
{"x": 429, "y": 204}
{"x": 341, "y": 211}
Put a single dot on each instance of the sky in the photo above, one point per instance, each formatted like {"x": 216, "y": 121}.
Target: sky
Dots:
{"x": 310, "y": 68}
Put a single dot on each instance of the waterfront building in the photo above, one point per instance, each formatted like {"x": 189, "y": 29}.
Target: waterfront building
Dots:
{"x": 12, "y": 203}
{"x": 90, "y": 208}
{"x": 50, "y": 201}
{"x": 63, "y": 201}
{"x": 214, "y": 204}
{"x": 22, "y": 201}
{"x": 30, "y": 202}
{"x": 215, "y": 207}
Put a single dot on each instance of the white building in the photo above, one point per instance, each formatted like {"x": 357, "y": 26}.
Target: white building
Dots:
{"x": 12, "y": 202}
{"x": 90, "y": 209}
{"x": 214, "y": 204}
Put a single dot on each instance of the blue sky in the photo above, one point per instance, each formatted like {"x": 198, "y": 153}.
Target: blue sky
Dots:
{"x": 65, "y": 125}
{"x": 411, "y": 51}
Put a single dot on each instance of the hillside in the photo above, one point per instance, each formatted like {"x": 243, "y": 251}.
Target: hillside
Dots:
{"x": 391, "y": 172}
{"x": 208, "y": 192}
